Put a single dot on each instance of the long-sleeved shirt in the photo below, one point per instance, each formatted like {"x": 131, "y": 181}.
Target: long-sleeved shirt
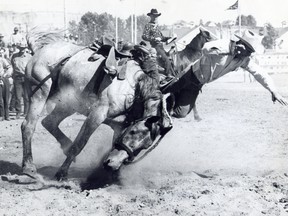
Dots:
{"x": 152, "y": 31}
{"x": 19, "y": 61}
{"x": 5, "y": 68}
{"x": 218, "y": 60}
{"x": 16, "y": 39}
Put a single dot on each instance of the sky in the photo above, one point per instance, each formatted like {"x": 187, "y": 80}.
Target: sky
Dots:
{"x": 271, "y": 11}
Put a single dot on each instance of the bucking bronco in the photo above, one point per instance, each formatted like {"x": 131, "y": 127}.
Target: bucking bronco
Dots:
{"x": 60, "y": 71}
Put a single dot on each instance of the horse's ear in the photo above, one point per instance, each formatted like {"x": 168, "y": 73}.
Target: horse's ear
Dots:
{"x": 200, "y": 30}
{"x": 153, "y": 119}
{"x": 206, "y": 34}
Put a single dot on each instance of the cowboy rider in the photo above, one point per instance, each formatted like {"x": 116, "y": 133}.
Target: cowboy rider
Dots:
{"x": 153, "y": 34}
{"x": 219, "y": 58}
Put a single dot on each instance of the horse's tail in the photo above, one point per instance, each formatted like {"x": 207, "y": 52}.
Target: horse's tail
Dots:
{"x": 37, "y": 38}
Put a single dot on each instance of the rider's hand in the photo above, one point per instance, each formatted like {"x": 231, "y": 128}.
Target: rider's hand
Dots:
{"x": 165, "y": 39}
{"x": 277, "y": 97}
{"x": 158, "y": 39}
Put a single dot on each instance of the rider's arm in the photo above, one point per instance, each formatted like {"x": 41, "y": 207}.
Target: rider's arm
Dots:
{"x": 259, "y": 74}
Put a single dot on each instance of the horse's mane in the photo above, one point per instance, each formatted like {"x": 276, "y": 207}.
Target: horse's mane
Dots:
{"x": 37, "y": 38}
{"x": 148, "y": 86}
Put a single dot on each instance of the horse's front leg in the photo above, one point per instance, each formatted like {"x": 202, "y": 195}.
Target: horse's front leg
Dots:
{"x": 94, "y": 119}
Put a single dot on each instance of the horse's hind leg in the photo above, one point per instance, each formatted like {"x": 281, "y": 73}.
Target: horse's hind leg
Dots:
{"x": 196, "y": 114}
{"x": 37, "y": 104}
{"x": 52, "y": 121}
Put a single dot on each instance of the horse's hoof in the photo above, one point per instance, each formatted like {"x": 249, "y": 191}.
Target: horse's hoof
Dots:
{"x": 30, "y": 170}
{"x": 61, "y": 176}
{"x": 198, "y": 119}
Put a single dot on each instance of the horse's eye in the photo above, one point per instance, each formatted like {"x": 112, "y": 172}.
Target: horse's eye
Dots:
{"x": 132, "y": 132}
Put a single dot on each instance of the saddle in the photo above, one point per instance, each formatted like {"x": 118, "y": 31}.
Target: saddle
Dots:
{"x": 112, "y": 55}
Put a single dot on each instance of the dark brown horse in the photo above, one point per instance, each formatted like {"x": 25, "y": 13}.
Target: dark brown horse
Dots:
{"x": 192, "y": 51}
{"x": 82, "y": 86}
{"x": 189, "y": 54}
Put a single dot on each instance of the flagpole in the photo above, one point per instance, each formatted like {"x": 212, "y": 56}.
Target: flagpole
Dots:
{"x": 116, "y": 31}
{"x": 239, "y": 15}
{"x": 132, "y": 32}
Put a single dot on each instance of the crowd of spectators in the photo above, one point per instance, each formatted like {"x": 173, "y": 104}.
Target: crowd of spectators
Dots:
{"x": 14, "y": 56}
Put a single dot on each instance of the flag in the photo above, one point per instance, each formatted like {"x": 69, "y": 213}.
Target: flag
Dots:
{"x": 234, "y": 6}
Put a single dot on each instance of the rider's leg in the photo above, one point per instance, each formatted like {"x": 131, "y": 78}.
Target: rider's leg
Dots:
{"x": 185, "y": 101}
{"x": 179, "y": 82}
{"x": 167, "y": 62}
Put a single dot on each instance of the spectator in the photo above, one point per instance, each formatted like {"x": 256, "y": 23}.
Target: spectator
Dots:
{"x": 19, "y": 61}
{"x": 3, "y": 47}
{"x": 5, "y": 73}
{"x": 2, "y": 43}
{"x": 16, "y": 39}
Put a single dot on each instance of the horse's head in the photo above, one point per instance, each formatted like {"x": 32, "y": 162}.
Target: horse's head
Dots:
{"x": 135, "y": 138}
{"x": 138, "y": 136}
{"x": 199, "y": 40}
{"x": 206, "y": 35}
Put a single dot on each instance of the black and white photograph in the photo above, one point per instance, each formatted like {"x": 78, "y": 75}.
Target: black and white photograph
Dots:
{"x": 143, "y": 108}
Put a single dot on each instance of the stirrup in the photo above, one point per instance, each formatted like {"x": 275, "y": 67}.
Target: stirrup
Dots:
{"x": 166, "y": 81}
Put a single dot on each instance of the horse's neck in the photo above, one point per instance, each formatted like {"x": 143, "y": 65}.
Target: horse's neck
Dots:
{"x": 191, "y": 53}
{"x": 196, "y": 44}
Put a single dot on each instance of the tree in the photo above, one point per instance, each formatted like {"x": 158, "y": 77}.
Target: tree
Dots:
{"x": 142, "y": 20}
{"x": 87, "y": 26}
{"x": 247, "y": 21}
{"x": 228, "y": 23}
{"x": 105, "y": 25}
{"x": 269, "y": 39}
{"x": 73, "y": 27}
{"x": 251, "y": 21}
{"x": 93, "y": 25}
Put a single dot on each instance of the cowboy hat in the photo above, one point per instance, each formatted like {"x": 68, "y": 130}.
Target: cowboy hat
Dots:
{"x": 153, "y": 12}
{"x": 251, "y": 40}
{"x": 142, "y": 48}
{"x": 105, "y": 49}
{"x": 125, "y": 51}
{"x": 107, "y": 41}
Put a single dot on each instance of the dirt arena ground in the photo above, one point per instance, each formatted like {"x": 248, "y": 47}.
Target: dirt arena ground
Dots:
{"x": 233, "y": 162}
